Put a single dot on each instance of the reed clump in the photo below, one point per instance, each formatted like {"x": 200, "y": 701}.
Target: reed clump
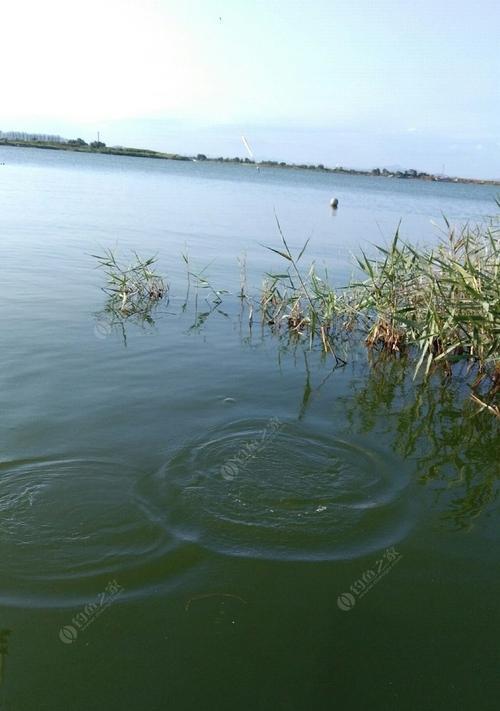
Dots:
{"x": 134, "y": 291}
{"x": 132, "y": 288}
{"x": 444, "y": 302}
{"x": 440, "y": 305}
{"x": 304, "y": 305}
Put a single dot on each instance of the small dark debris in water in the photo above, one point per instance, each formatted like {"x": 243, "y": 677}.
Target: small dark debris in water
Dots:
{"x": 156, "y": 293}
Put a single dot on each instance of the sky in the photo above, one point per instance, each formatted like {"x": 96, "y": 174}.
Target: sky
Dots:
{"x": 357, "y": 83}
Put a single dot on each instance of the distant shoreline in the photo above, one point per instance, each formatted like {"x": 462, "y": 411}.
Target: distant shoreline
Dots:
{"x": 200, "y": 157}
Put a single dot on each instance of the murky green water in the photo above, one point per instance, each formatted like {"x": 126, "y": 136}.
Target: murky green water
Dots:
{"x": 201, "y": 516}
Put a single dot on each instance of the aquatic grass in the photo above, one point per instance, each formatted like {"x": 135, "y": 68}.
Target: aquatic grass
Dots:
{"x": 198, "y": 280}
{"x": 440, "y": 306}
{"x": 300, "y": 301}
{"x": 133, "y": 287}
{"x": 437, "y": 307}
{"x": 443, "y": 303}
{"x": 133, "y": 290}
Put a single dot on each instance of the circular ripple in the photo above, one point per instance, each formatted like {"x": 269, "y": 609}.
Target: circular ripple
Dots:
{"x": 268, "y": 491}
{"x": 67, "y": 527}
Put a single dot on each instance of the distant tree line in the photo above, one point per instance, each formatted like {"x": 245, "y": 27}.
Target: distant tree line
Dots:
{"x": 48, "y": 138}
{"x": 22, "y": 136}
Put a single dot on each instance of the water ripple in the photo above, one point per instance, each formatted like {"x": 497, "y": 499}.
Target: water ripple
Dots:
{"x": 69, "y": 526}
{"x": 288, "y": 493}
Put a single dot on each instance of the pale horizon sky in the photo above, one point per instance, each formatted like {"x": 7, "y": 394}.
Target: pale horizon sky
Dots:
{"x": 351, "y": 82}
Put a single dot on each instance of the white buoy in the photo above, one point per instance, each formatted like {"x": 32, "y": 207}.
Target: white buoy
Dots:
{"x": 334, "y": 203}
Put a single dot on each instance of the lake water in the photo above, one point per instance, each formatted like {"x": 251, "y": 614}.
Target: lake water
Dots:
{"x": 195, "y": 515}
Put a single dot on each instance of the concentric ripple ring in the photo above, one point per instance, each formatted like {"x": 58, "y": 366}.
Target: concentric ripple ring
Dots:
{"x": 69, "y": 526}
{"x": 283, "y": 491}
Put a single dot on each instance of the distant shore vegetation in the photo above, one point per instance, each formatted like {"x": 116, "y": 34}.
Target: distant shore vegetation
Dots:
{"x": 54, "y": 142}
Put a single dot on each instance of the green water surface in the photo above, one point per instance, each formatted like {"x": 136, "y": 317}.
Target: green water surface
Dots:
{"x": 197, "y": 515}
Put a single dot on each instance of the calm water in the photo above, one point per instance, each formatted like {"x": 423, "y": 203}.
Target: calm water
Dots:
{"x": 194, "y": 515}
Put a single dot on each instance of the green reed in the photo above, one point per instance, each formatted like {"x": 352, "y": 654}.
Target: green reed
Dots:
{"x": 133, "y": 291}
{"x": 440, "y": 305}
{"x": 443, "y": 304}
{"x": 132, "y": 288}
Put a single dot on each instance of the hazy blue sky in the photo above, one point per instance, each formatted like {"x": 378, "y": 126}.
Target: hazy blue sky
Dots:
{"x": 351, "y": 82}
